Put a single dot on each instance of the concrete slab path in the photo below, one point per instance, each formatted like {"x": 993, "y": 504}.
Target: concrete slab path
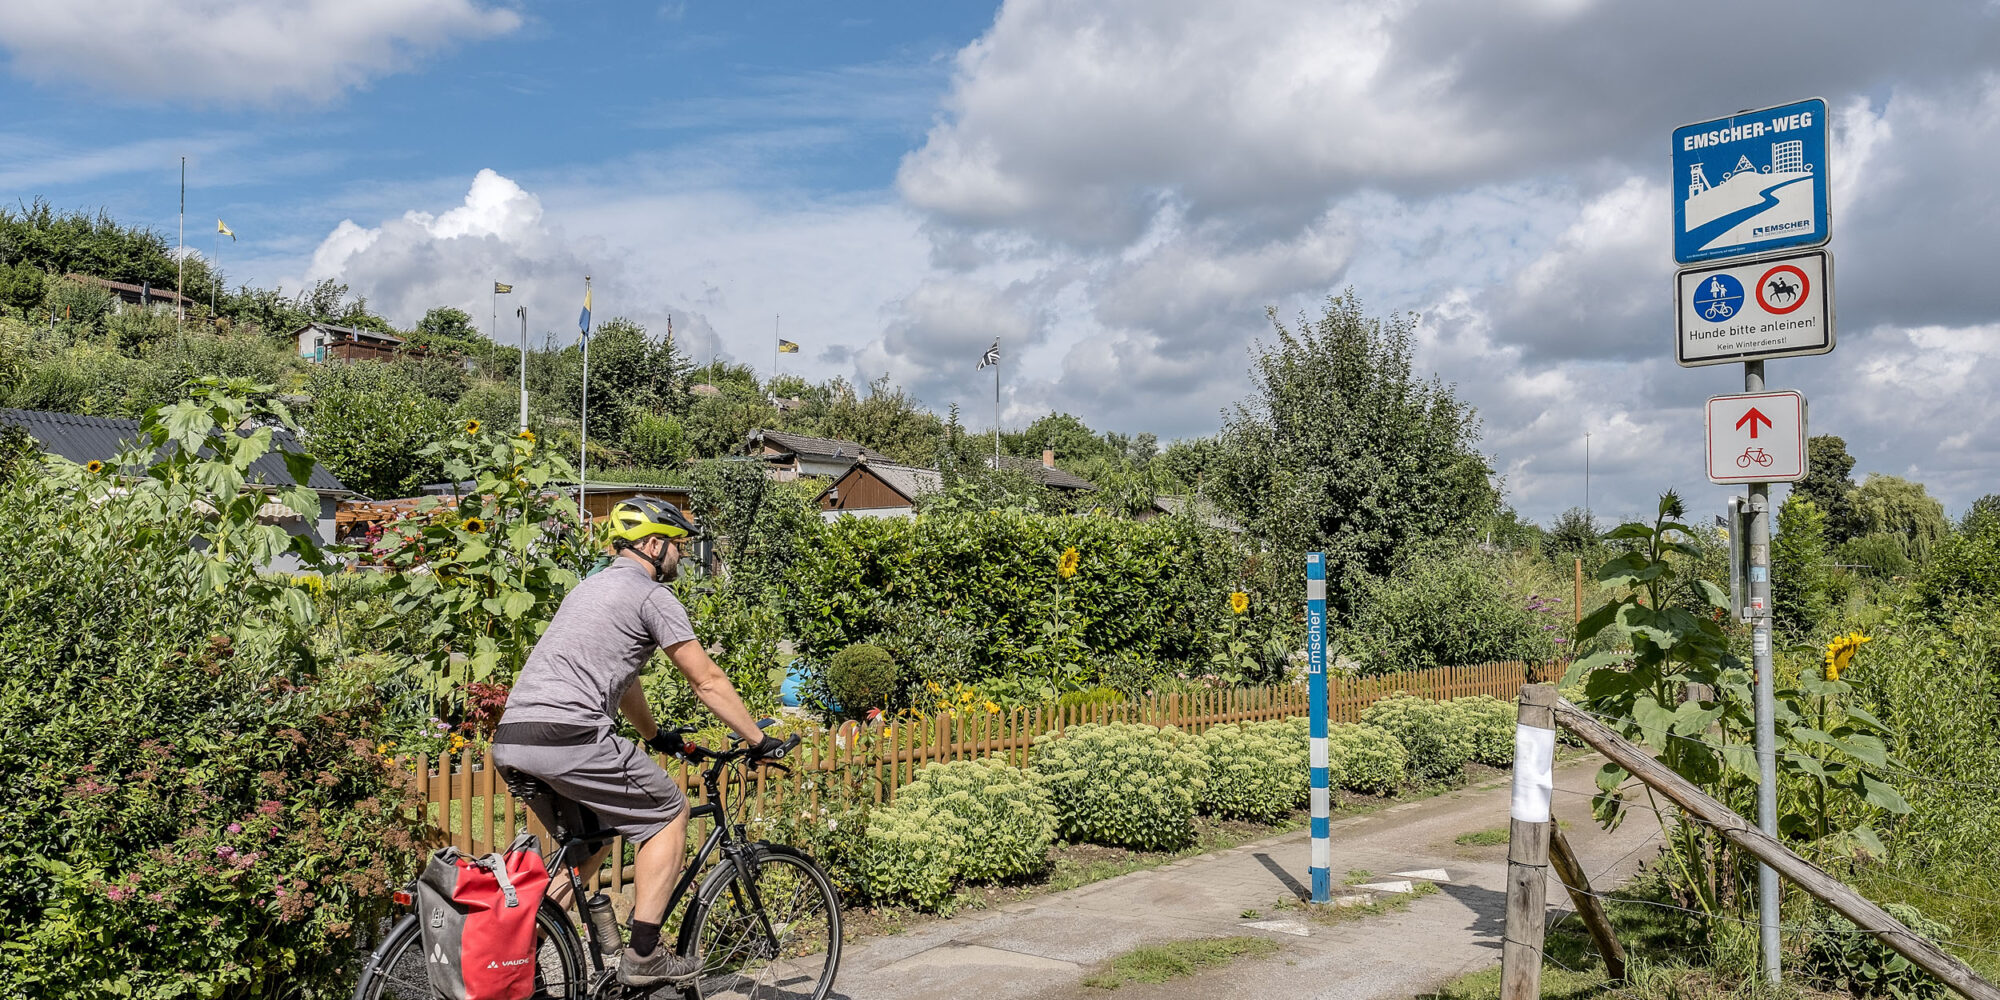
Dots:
{"x": 1041, "y": 949}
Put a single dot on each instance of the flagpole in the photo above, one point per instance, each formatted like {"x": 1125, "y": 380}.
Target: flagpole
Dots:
{"x": 180, "y": 261}
{"x": 493, "y": 327}
{"x": 583, "y": 448}
{"x": 996, "y": 410}
{"x": 522, "y": 311}
{"x": 774, "y": 354}
{"x": 215, "y": 268}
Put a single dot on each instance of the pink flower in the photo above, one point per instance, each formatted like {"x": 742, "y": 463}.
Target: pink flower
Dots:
{"x": 269, "y": 807}
{"x": 118, "y": 893}
{"x": 235, "y": 828}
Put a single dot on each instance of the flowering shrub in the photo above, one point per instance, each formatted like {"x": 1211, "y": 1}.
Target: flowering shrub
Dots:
{"x": 1435, "y": 733}
{"x": 1255, "y": 770}
{"x": 1491, "y": 723}
{"x": 1123, "y": 784}
{"x": 1365, "y": 758}
{"x": 193, "y": 801}
{"x": 963, "y": 821}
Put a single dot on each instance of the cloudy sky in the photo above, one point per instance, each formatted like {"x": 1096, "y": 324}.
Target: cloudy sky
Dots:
{"x": 1115, "y": 190}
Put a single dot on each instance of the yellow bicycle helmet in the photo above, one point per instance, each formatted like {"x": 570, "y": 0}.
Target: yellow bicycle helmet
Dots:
{"x": 636, "y": 518}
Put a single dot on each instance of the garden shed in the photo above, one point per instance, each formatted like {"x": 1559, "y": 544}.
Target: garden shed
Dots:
{"x": 878, "y": 489}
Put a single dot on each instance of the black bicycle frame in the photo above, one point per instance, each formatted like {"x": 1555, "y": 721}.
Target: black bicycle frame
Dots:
{"x": 719, "y": 837}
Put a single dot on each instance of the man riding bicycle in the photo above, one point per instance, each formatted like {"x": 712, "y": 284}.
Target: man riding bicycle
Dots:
{"x": 561, "y": 715}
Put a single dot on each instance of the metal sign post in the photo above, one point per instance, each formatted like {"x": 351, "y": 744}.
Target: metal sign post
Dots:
{"x": 1755, "y": 183}
{"x": 1322, "y": 851}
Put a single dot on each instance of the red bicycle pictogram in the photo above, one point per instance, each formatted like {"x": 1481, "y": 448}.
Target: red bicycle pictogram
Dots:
{"x": 1757, "y": 455}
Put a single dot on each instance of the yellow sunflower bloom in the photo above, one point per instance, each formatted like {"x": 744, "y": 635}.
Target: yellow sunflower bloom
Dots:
{"x": 93, "y": 467}
{"x": 472, "y": 427}
{"x": 1239, "y": 602}
{"x": 1066, "y": 566}
{"x": 528, "y": 436}
{"x": 1840, "y": 653}
{"x": 475, "y": 526}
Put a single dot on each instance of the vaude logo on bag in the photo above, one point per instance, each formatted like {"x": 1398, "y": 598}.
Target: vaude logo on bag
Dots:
{"x": 508, "y": 963}
{"x": 437, "y": 954}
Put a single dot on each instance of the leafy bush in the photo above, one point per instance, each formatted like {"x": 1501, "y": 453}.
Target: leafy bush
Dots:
{"x": 862, "y": 677}
{"x": 1437, "y": 738}
{"x": 1444, "y": 612}
{"x": 1491, "y": 724}
{"x": 963, "y": 821}
{"x": 1862, "y": 966}
{"x": 1255, "y": 771}
{"x": 1090, "y": 696}
{"x": 1123, "y": 784}
{"x": 197, "y": 801}
{"x": 743, "y": 637}
{"x": 1154, "y": 591}
{"x": 1366, "y": 758}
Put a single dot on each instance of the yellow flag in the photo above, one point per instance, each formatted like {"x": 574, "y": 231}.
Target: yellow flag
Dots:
{"x": 224, "y": 230}
{"x": 502, "y": 288}
{"x": 787, "y": 347}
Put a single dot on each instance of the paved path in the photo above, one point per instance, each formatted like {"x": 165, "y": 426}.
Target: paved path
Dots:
{"x": 1040, "y": 949}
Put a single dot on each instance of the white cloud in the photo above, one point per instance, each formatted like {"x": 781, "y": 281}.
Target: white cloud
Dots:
{"x": 235, "y": 52}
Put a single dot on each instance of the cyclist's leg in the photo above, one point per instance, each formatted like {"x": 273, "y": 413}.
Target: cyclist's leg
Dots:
{"x": 659, "y": 864}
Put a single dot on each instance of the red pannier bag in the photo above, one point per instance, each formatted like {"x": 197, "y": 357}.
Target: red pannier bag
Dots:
{"x": 478, "y": 921}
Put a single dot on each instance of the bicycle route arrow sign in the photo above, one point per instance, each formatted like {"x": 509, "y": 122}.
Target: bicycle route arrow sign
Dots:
{"x": 1757, "y": 437}
{"x": 1770, "y": 307}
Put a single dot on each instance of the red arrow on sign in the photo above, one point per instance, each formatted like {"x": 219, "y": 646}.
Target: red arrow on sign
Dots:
{"x": 1751, "y": 418}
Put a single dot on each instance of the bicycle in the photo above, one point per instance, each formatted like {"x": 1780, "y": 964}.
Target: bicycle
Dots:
{"x": 773, "y": 934}
{"x": 1757, "y": 455}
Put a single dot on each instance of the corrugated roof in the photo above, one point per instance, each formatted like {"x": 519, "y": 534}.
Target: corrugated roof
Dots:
{"x": 803, "y": 444}
{"x": 352, "y": 333}
{"x": 909, "y": 480}
{"x": 1044, "y": 474}
{"x": 84, "y": 439}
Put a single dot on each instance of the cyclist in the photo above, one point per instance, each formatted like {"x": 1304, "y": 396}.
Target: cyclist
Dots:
{"x": 560, "y": 718}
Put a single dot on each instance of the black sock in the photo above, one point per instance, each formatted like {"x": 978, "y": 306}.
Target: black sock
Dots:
{"x": 645, "y": 936}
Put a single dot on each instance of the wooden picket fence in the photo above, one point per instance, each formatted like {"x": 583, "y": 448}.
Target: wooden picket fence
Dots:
{"x": 471, "y": 809}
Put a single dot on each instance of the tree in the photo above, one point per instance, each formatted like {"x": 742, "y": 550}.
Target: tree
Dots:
{"x": 1892, "y": 505}
{"x": 1342, "y": 449}
{"x": 1983, "y": 510}
{"x": 1830, "y": 487}
{"x": 886, "y": 421}
{"x": 445, "y": 328}
{"x": 1573, "y": 535}
{"x": 1800, "y": 587}
{"x": 368, "y": 422}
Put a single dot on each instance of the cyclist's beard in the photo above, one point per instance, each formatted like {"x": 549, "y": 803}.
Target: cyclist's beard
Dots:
{"x": 669, "y": 566}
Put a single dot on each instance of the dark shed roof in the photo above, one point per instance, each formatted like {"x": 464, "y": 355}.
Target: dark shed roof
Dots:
{"x": 85, "y": 439}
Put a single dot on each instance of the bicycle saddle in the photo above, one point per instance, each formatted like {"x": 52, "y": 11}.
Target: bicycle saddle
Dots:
{"x": 522, "y": 785}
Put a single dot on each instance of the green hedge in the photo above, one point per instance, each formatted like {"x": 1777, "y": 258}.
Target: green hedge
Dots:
{"x": 1255, "y": 770}
{"x": 964, "y": 821}
{"x": 965, "y": 596}
{"x": 1366, "y": 759}
{"x": 1435, "y": 733}
{"x": 1123, "y": 784}
{"x": 1491, "y": 724}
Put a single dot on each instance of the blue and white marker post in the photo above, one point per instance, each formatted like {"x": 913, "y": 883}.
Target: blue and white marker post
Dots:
{"x": 1322, "y": 875}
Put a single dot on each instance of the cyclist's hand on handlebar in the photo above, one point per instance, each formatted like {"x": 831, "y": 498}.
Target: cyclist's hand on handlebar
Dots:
{"x": 773, "y": 748}
{"x": 669, "y": 742}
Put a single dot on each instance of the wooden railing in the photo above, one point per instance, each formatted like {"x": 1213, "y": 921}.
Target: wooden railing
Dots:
{"x": 470, "y": 806}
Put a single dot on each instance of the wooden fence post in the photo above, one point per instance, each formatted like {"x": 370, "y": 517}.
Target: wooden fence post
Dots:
{"x": 1528, "y": 845}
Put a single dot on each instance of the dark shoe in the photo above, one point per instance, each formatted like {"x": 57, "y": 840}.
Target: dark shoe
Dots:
{"x": 660, "y": 965}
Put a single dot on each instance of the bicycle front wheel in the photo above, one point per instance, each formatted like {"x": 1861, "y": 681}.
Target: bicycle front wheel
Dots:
{"x": 789, "y": 950}
{"x": 397, "y": 969}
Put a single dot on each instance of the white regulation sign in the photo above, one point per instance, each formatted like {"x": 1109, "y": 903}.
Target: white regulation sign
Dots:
{"x": 1771, "y": 307}
{"x": 1757, "y": 437}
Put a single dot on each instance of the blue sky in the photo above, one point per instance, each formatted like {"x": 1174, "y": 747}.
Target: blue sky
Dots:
{"x": 1116, "y": 191}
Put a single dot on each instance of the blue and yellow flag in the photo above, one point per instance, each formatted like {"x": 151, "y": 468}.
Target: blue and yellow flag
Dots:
{"x": 583, "y": 320}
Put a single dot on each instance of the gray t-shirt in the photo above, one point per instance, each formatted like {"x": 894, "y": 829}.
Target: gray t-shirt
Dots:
{"x": 605, "y": 631}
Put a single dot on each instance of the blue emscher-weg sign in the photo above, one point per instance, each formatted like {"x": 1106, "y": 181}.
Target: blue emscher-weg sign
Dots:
{"x": 1751, "y": 182}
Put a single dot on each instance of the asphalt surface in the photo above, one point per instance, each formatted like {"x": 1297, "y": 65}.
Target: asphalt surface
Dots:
{"x": 1041, "y": 949}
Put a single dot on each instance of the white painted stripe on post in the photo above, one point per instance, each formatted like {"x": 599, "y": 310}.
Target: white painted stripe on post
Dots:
{"x": 1322, "y": 853}
{"x": 1318, "y": 752}
{"x": 1534, "y": 773}
{"x": 1319, "y": 802}
{"x": 1315, "y": 590}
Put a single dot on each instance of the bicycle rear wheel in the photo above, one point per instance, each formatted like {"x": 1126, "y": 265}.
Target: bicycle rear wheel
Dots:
{"x": 396, "y": 971}
{"x": 796, "y": 961}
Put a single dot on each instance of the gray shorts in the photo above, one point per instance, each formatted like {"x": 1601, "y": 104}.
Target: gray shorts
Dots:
{"x": 610, "y": 784}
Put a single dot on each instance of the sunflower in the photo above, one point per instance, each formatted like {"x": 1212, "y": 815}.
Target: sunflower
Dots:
{"x": 527, "y": 435}
{"x": 93, "y": 467}
{"x": 1066, "y": 566}
{"x": 1239, "y": 602}
{"x": 472, "y": 427}
{"x": 475, "y": 526}
{"x": 1840, "y": 653}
